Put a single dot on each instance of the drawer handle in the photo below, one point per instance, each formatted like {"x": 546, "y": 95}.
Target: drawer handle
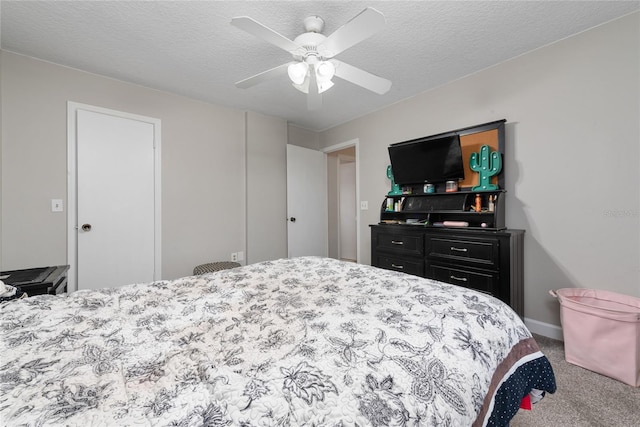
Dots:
{"x": 460, "y": 279}
{"x": 400, "y": 267}
{"x": 453, "y": 248}
{"x": 396, "y": 242}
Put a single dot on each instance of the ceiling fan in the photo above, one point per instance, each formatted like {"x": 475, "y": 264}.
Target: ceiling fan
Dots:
{"x": 314, "y": 64}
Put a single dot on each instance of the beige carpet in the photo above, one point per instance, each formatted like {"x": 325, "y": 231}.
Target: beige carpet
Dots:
{"x": 583, "y": 398}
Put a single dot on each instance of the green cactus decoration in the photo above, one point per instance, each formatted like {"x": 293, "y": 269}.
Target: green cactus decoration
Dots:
{"x": 487, "y": 164}
{"x": 395, "y": 188}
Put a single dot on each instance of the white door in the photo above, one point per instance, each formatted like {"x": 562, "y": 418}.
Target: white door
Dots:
{"x": 306, "y": 202}
{"x": 115, "y": 201}
{"x": 348, "y": 211}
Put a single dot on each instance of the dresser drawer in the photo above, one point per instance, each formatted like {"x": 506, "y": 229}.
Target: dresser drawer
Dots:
{"x": 481, "y": 281}
{"x": 407, "y": 244}
{"x": 405, "y": 265}
{"x": 480, "y": 251}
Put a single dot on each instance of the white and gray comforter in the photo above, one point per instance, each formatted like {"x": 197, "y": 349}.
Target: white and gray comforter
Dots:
{"x": 293, "y": 342}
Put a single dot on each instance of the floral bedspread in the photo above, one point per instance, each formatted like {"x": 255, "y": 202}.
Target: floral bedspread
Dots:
{"x": 294, "y": 342}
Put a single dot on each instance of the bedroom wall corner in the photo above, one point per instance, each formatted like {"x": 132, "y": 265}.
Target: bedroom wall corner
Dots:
{"x": 303, "y": 137}
{"x": 266, "y": 187}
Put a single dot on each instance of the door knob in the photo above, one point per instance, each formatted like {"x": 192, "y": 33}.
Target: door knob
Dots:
{"x": 86, "y": 227}
{"x": 292, "y": 219}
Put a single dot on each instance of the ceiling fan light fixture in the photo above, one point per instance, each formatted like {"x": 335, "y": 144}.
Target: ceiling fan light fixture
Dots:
{"x": 325, "y": 71}
{"x": 323, "y": 86}
{"x": 298, "y": 72}
{"x": 302, "y": 87}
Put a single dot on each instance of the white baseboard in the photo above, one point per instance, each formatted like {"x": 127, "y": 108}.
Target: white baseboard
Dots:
{"x": 545, "y": 329}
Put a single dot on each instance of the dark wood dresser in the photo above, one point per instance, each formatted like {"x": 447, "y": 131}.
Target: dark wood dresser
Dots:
{"x": 490, "y": 261}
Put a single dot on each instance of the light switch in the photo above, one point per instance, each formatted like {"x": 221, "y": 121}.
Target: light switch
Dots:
{"x": 56, "y": 205}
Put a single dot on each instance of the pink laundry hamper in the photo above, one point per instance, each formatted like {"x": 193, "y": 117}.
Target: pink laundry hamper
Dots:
{"x": 601, "y": 332}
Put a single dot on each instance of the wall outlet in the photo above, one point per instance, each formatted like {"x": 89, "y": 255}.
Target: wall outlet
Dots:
{"x": 364, "y": 206}
{"x": 234, "y": 256}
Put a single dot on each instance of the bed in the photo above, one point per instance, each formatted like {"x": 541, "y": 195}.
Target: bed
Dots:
{"x": 293, "y": 342}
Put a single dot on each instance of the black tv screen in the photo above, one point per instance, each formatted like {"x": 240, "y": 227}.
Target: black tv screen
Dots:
{"x": 427, "y": 160}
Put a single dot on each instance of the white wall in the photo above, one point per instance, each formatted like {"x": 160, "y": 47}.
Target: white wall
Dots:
{"x": 203, "y": 165}
{"x": 303, "y": 137}
{"x": 571, "y": 164}
{"x": 266, "y": 188}
{"x": 335, "y": 187}
{"x": 333, "y": 205}
{"x": 348, "y": 210}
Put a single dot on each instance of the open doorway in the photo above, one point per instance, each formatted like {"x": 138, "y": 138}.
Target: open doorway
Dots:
{"x": 342, "y": 198}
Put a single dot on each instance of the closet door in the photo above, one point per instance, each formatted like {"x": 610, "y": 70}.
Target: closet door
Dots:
{"x": 306, "y": 202}
{"x": 116, "y": 218}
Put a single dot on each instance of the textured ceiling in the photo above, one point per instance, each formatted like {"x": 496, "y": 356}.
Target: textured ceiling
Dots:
{"x": 190, "y": 48}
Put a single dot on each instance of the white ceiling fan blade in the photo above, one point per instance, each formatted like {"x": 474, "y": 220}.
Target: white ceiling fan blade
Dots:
{"x": 265, "y": 75}
{"x": 362, "y": 26}
{"x": 252, "y": 26}
{"x": 361, "y": 78}
{"x": 314, "y": 99}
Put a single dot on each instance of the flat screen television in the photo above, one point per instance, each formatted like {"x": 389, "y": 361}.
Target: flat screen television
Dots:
{"x": 423, "y": 160}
